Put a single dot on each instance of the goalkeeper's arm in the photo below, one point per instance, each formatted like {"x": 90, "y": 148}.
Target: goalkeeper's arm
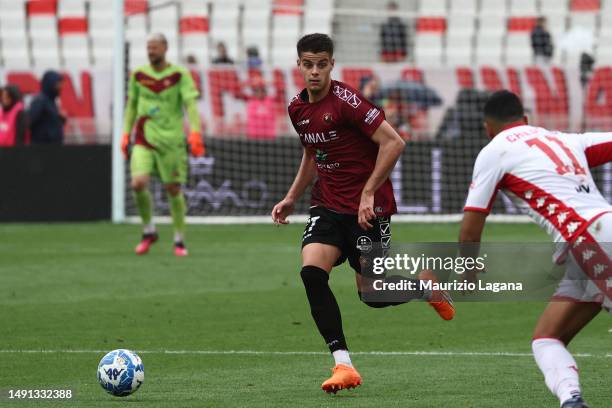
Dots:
{"x": 195, "y": 135}
{"x": 129, "y": 115}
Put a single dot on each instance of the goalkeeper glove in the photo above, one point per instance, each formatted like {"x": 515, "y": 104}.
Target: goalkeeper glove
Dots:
{"x": 125, "y": 143}
{"x": 196, "y": 144}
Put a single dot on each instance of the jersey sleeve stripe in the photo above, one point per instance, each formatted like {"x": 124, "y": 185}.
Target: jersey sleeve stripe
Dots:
{"x": 477, "y": 209}
{"x": 599, "y": 154}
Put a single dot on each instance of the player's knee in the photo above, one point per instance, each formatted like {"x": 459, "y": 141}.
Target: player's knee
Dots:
{"x": 139, "y": 185}
{"x": 173, "y": 189}
{"x": 313, "y": 275}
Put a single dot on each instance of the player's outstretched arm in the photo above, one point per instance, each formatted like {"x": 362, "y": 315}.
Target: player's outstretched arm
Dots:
{"x": 303, "y": 178}
{"x": 469, "y": 238}
{"x": 129, "y": 116}
{"x": 390, "y": 147}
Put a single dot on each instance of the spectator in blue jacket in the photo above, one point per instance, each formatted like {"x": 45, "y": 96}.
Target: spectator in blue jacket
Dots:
{"x": 46, "y": 120}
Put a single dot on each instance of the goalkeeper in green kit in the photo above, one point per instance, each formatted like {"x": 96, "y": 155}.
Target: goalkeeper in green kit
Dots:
{"x": 156, "y": 96}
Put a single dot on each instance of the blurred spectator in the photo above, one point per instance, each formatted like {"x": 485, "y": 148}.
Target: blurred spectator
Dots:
{"x": 222, "y": 57}
{"x": 13, "y": 126}
{"x": 46, "y": 121}
{"x": 370, "y": 88}
{"x": 393, "y": 36}
{"x": 587, "y": 62}
{"x": 463, "y": 121}
{"x": 253, "y": 59}
{"x": 541, "y": 42}
{"x": 261, "y": 115}
{"x": 191, "y": 61}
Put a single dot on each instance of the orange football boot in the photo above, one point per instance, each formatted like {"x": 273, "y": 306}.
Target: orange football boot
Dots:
{"x": 440, "y": 300}
{"x": 343, "y": 377}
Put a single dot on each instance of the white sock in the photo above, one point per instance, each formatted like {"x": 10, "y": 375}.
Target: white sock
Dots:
{"x": 179, "y": 237}
{"x": 342, "y": 357}
{"x": 149, "y": 228}
{"x": 558, "y": 366}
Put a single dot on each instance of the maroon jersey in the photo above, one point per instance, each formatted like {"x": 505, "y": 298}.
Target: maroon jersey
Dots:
{"x": 338, "y": 130}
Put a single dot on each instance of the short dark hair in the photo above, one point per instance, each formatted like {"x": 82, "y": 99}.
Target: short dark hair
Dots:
{"x": 315, "y": 43}
{"x": 504, "y": 106}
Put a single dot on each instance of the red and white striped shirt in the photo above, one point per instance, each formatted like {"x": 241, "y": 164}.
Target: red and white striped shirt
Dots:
{"x": 546, "y": 173}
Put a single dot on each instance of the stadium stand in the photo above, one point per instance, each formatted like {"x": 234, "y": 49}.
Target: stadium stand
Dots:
{"x": 56, "y": 33}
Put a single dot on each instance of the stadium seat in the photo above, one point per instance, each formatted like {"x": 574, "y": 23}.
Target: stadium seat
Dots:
{"x": 194, "y": 28}
{"x": 463, "y": 7}
{"x": 557, "y": 24}
{"x": 133, "y": 7}
{"x": 164, "y": 19}
{"x": 461, "y": 26}
{"x": 254, "y": 32}
{"x": 428, "y": 49}
{"x": 42, "y": 25}
{"x": 317, "y": 20}
{"x": 523, "y": 8}
{"x": 518, "y": 49}
{"x": 521, "y": 24}
{"x": 493, "y": 24}
{"x": 102, "y": 48}
{"x": 137, "y": 26}
{"x": 488, "y": 7}
{"x": 41, "y": 7}
{"x": 551, "y": 7}
{"x": 71, "y": 8}
{"x": 285, "y": 34}
{"x": 587, "y": 21}
{"x": 74, "y": 43}
{"x": 45, "y": 52}
{"x": 431, "y": 24}
{"x": 489, "y": 46}
{"x": 585, "y": 5}
{"x": 291, "y": 7}
{"x": 433, "y": 8}
{"x": 15, "y": 50}
{"x": 75, "y": 51}
{"x": 459, "y": 49}
{"x": 224, "y": 25}
{"x": 196, "y": 44}
{"x": 603, "y": 56}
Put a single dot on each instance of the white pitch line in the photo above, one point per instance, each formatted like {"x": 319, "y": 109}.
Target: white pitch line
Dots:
{"x": 304, "y": 353}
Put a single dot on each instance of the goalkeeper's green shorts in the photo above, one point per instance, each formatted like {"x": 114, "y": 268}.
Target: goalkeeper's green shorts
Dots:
{"x": 169, "y": 164}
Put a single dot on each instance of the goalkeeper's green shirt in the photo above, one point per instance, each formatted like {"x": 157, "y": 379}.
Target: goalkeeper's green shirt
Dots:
{"x": 155, "y": 103}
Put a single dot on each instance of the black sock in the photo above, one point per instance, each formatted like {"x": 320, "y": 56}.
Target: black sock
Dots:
{"x": 323, "y": 307}
{"x": 380, "y": 299}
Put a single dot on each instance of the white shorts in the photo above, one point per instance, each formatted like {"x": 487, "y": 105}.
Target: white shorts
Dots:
{"x": 588, "y": 273}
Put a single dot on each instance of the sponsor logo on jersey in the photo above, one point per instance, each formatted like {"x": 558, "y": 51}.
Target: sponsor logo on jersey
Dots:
{"x": 319, "y": 137}
{"x": 347, "y": 96}
{"x": 321, "y": 155}
{"x": 583, "y": 187}
{"x": 303, "y": 122}
{"x": 371, "y": 115}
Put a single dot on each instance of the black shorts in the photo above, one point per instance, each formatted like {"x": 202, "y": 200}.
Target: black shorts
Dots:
{"x": 342, "y": 230}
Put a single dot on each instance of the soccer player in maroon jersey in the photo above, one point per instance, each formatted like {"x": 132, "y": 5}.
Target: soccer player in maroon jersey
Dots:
{"x": 351, "y": 150}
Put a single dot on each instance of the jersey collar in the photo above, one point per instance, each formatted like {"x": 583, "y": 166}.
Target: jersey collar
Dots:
{"x": 513, "y": 125}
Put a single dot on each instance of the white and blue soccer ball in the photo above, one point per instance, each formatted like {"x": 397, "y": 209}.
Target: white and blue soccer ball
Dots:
{"x": 121, "y": 372}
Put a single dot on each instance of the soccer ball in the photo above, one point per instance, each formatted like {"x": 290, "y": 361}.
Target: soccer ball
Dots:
{"x": 121, "y": 372}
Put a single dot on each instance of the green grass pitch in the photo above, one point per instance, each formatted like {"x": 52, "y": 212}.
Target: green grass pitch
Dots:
{"x": 77, "y": 290}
